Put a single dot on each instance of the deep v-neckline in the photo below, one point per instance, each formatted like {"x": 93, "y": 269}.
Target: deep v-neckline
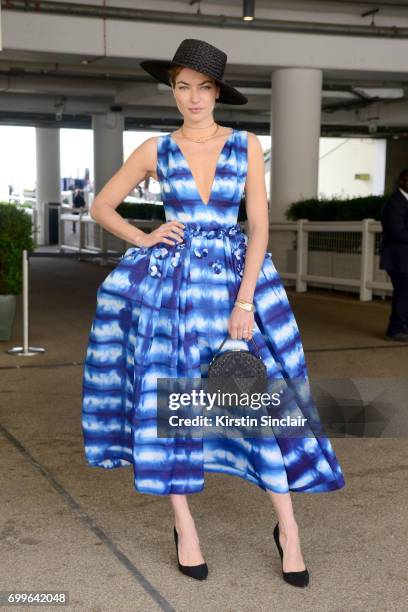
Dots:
{"x": 220, "y": 155}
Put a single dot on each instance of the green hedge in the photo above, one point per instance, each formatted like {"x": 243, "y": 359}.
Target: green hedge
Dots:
{"x": 15, "y": 235}
{"x": 335, "y": 209}
{"x": 327, "y": 209}
{"x": 141, "y": 210}
{"x": 313, "y": 209}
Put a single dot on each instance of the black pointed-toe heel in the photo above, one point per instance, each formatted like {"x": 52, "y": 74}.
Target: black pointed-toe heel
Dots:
{"x": 199, "y": 572}
{"x": 299, "y": 579}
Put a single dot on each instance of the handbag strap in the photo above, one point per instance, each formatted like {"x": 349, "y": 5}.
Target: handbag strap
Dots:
{"x": 226, "y": 337}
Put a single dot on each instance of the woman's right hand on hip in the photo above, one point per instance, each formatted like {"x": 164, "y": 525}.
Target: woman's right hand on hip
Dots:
{"x": 164, "y": 233}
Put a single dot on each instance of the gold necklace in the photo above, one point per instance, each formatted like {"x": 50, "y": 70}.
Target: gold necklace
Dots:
{"x": 200, "y": 139}
{"x": 205, "y": 127}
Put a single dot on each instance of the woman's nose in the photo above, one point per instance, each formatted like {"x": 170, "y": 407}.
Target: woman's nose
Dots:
{"x": 195, "y": 96}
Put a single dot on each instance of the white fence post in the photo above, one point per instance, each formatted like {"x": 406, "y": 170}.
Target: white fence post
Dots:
{"x": 59, "y": 228}
{"x": 81, "y": 236}
{"x": 301, "y": 255}
{"x": 367, "y": 261}
{"x": 103, "y": 245}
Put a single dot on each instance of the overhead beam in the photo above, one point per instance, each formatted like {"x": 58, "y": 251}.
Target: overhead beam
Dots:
{"x": 95, "y": 38}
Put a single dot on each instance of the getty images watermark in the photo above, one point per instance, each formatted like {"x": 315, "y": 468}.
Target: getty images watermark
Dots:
{"x": 237, "y": 407}
{"x": 238, "y": 401}
{"x": 279, "y": 407}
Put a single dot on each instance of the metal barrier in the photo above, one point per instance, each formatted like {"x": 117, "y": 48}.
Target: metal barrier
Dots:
{"x": 101, "y": 239}
{"x": 315, "y": 260}
{"x": 364, "y": 259}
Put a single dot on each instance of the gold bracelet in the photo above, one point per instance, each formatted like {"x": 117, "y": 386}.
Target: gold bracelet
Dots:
{"x": 243, "y": 301}
{"x": 245, "y": 305}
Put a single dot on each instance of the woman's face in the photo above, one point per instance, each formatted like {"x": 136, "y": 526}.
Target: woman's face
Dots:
{"x": 195, "y": 90}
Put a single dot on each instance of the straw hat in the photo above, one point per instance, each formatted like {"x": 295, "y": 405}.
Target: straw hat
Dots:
{"x": 203, "y": 57}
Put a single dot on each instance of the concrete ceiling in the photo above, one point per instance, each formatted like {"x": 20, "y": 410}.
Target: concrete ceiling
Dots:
{"x": 33, "y": 83}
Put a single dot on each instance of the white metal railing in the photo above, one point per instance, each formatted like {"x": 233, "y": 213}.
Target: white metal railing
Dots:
{"x": 365, "y": 283}
{"x": 92, "y": 237}
{"x": 299, "y": 264}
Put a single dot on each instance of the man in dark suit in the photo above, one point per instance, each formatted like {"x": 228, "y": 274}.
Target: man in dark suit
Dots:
{"x": 394, "y": 256}
{"x": 78, "y": 201}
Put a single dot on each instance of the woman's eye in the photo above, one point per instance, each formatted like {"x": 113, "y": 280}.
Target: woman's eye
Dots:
{"x": 204, "y": 87}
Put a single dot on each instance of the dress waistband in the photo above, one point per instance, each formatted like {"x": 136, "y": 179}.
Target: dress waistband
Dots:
{"x": 191, "y": 229}
{"x": 211, "y": 231}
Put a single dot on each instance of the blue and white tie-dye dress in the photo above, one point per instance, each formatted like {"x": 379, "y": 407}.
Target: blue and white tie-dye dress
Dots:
{"x": 163, "y": 312}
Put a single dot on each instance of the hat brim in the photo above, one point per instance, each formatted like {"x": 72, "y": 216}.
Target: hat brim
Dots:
{"x": 158, "y": 69}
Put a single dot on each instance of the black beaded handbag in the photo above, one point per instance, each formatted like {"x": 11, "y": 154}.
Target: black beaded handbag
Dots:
{"x": 237, "y": 370}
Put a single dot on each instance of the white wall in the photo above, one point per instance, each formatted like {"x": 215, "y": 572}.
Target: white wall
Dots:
{"x": 340, "y": 159}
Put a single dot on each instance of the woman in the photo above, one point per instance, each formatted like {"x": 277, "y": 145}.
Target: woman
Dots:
{"x": 175, "y": 295}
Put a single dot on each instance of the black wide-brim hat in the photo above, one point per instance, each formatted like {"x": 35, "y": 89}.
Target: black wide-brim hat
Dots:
{"x": 203, "y": 57}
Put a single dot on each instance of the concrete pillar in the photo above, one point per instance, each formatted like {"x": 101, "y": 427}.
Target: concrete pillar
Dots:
{"x": 48, "y": 176}
{"x": 108, "y": 155}
{"x": 108, "y": 146}
{"x": 295, "y": 128}
{"x": 380, "y": 155}
{"x": 396, "y": 160}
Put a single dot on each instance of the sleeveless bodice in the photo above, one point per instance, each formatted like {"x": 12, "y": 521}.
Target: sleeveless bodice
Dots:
{"x": 181, "y": 198}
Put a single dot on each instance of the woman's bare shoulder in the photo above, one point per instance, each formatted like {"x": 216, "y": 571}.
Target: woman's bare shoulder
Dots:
{"x": 148, "y": 148}
{"x": 255, "y": 150}
{"x": 252, "y": 138}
